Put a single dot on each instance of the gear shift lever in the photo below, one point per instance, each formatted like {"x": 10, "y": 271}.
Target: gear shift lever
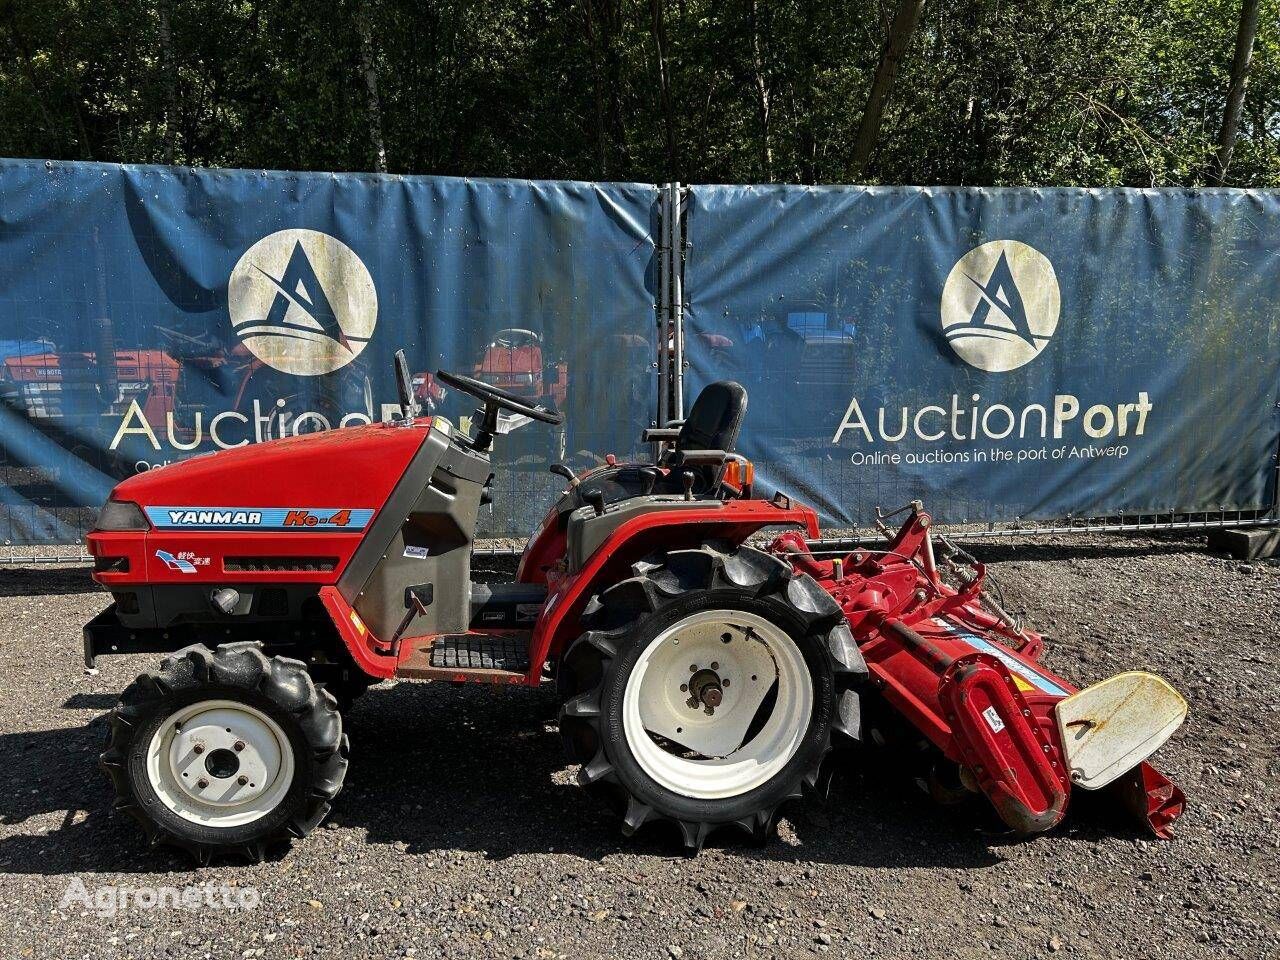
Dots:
{"x": 596, "y": 499}
{"x": 687, "y": 479}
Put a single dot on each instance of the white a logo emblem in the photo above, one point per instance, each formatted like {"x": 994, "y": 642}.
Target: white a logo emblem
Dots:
{"x": 303, "y": 302}
{"x": 1000, "y": 305}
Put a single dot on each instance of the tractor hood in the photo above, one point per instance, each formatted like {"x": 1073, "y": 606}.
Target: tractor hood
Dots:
{"x": 343, "y": 469}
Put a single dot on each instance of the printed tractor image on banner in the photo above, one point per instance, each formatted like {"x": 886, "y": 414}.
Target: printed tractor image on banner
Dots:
{"x": 170, "y": 313}
{"x": 1006, "y": 354}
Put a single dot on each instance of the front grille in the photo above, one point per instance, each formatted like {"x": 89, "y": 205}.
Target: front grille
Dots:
{"x": 280, "y": 564}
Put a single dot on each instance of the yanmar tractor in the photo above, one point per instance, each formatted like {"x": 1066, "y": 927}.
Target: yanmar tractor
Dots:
{"x": 703, "y": 675}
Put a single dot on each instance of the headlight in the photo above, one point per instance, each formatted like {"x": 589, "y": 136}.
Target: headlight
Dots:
{"x": 121, "y": 515}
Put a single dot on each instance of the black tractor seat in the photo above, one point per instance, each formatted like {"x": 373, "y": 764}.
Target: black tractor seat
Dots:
{"x": 715, "y": 420}
{"x": 713, "y": 425}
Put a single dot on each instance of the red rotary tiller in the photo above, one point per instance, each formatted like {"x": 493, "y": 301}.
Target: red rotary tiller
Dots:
{"x": 966, "y": 677}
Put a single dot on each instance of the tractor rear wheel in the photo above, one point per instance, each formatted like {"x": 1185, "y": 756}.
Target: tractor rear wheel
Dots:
{"x": 706, "y": 690}
{"x": 225, "y": 751}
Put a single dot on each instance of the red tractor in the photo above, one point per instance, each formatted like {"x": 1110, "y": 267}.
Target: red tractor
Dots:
{"x": 704, "y": 676}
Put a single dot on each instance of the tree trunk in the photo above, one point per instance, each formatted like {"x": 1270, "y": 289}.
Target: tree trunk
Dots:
{"x": 805, "y": 93}
{"x": 373, "y": 103}
{"x": 597, "y": 88}
{"x": 603, "y": 21}
{"x": 895, "y": 47}
{"x": 664, "y": 89}
{"x": 1235, "y": 92}
{"x": 169, "y": 71}
{"x": 762, "y": 96}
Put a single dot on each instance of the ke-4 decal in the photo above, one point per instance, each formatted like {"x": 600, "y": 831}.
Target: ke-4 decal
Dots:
{"x": 258, "y": 518}
{"x": 1024, "y": 675}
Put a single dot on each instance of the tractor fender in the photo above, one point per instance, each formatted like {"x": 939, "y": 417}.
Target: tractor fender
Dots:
{"x": 364, "y": 647}
{"x": 734, "y": 521}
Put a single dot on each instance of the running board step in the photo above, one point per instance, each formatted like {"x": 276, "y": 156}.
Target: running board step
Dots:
{"x": 479, "y": 651}
{"x": 486, "y": 658}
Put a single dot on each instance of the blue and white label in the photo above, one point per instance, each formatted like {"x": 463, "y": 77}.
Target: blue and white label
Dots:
{"x": 259, "y": 518}
{"x": 176, "y": 564}
{"x": 1018, "y": 668}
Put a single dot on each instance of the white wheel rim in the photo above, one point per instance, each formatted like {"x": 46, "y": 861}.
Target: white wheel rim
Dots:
{"x": 724, "y": 765}
{"x": 220, "y": 763}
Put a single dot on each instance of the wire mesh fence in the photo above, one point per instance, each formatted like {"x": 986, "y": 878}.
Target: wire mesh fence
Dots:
{"x": 550, "y": 290}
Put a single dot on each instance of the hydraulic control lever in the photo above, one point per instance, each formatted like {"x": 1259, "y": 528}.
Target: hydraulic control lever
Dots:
{"x": 651, "y": 475}
{"x": 560, "y": 470}
{"x": 596, "y": 499}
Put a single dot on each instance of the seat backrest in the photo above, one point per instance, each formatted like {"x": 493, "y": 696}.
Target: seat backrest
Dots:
{"x": 715, "y": 418}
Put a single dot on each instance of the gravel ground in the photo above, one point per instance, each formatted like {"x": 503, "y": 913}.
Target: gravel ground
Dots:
{"x": 460, "y": 832}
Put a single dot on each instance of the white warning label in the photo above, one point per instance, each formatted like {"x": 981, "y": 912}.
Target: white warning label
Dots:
{"x": 993, "y": 719}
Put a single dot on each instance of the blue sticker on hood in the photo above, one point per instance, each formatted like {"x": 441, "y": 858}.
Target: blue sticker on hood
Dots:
{"x": 259, "y": 518}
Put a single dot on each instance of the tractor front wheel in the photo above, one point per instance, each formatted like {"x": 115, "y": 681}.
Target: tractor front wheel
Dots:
{"x": 225, "y": 751}
{"x": 706, "y": 690}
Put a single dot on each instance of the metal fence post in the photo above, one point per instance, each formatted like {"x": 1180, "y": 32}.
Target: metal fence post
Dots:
{"x": 1275, "y": 493}
{"x": 675, "y": 236}
{"x": 664, "y": 312}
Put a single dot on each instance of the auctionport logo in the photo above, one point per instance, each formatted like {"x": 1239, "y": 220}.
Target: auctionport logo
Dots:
{"x": 302, "y": 302}
{"x": 1000, "y": 305}
{"x": 1000, "y": 308}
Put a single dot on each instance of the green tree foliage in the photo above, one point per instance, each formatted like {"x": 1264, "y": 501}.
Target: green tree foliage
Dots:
{"x": 1092, "y": 92}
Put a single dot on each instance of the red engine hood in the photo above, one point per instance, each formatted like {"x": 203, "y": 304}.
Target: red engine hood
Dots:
{"x": 349, "y": 467}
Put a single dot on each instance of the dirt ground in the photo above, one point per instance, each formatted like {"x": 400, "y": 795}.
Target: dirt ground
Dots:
{"x": 461, "y": 832}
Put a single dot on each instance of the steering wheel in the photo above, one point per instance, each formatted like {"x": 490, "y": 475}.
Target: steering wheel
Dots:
{"x": 501, "y": 399}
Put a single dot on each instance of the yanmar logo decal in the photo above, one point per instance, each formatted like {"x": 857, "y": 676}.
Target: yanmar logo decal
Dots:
{"x": 259, "y": 518}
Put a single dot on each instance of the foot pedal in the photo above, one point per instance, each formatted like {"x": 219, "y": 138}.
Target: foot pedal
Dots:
{"x": 473, "y": 651}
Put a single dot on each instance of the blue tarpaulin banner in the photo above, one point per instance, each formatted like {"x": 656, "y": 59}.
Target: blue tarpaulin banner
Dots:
{"x": 1002, "y": 353}
{"x": 1005, "y": 354}
{"x": 149, "y": 314}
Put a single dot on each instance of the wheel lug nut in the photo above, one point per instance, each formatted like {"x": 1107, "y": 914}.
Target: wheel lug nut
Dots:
{"x": 198, "y": 748}
{"x": 238, "y": 745}
{"x": 715, "y": 665}
{"x": 693, "y": 668}
{"x": 202, "y": 783}
{"x": 724, "y": 682}
{"x": 242, "y": 779}
{"x": 684, "y": 688}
